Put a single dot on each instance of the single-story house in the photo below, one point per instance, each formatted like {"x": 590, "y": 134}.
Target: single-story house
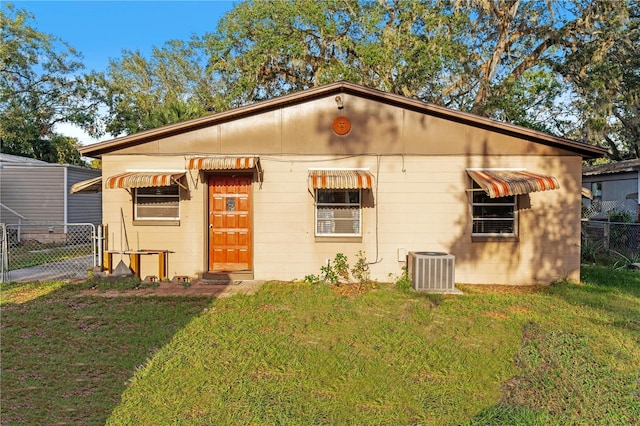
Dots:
{"x": 614, "y": 187}
{"x": 34, "y": 192}
{"x": 274, "y": 189}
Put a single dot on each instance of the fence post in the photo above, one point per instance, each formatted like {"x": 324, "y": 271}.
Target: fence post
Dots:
{"x": 100, "y": 245}
{"x": 4, "y": 258}
{"x": 607, "y": 233}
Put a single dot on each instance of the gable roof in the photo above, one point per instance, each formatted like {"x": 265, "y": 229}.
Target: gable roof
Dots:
{"x": 99, "y": 148}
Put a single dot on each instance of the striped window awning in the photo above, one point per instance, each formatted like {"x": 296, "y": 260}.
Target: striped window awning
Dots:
{"x": 223, "y": 163}
{"x": 502, "y": 183}
{"x": 143, "y": 179}
{"x": 340, "y": 179}
{"x": 89, "y": 186}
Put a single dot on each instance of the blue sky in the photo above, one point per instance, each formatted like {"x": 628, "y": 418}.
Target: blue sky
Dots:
{"x": 102, "y": 29}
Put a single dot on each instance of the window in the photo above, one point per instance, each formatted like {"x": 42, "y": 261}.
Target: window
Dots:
{"x": 157, "y": 203}
{"x": 493, "y": 216}
{"x": 338, "y": 212}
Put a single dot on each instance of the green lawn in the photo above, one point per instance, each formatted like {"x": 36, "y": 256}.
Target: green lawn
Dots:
{"x": 303, "y": 354}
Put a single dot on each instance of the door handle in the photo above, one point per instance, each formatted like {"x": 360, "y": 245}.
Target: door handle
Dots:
{"x": 210, "y": 226}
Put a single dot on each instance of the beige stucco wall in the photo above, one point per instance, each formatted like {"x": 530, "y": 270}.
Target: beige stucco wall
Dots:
{"x": 422, "y": 205}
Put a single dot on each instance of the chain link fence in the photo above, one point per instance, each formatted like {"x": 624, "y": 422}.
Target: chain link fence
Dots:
{"x": 603, "y": 210}
{"x": 46, "y": 251}
{"x": 620, "y": 238}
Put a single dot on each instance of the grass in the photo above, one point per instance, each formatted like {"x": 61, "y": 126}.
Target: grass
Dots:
{"x": 301, "y": 354}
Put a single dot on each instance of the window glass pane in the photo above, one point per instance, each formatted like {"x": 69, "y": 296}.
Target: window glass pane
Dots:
{"x": 338, "y": 212}
{"x": 493, "y": 226}
{"x": 157, "y": 203}
{"x": 492, "y": 211}
{"x": 151, "y": 212}
{"x": 160, "y": 190}
{"x": 493, "y": 216}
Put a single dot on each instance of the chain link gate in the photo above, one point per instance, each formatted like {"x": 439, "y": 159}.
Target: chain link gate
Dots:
{"x": 46, "y": 251}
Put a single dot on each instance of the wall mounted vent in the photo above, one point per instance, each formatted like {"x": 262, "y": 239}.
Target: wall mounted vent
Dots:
{"x": 432, "y": 271}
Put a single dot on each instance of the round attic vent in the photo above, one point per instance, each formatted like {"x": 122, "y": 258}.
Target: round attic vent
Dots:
{"x": 341, "y": 125}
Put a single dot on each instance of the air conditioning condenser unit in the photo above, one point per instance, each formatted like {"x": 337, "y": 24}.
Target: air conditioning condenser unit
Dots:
{"x": 432, "y": 271}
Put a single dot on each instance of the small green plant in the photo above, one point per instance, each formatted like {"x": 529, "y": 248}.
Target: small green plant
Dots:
{"x": 591, "y": 250}
{"x": 360, "y": 270}
{"x": 337, "y": 272}
{"x": 620, "y": 216}
{"x": 626, "y": 261}
{"x": 329, "y": 273}
{"x": 312, "y": 279}
{"x": 403, "y": 281}
{"x": 341, "y": 267}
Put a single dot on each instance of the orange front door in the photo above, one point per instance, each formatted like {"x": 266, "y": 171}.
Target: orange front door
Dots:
{"x": 229, "y": 223}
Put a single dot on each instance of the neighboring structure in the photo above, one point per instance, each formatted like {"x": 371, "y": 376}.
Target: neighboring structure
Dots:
{"x": 614, "y": 187}
{"x": 34, "y": 191}
{"x": 274, "y": 189}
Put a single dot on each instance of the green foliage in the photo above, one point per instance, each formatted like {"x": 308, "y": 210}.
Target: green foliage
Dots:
{"x": 40, "y": 86}
{"x": 403, "y": 281}
{"x": 341, "y": 267}
{"x": 591, "y": 250}
{"x": 265, "y": 49}
{"x": 628, "y": 261}
{"x": 312, "y": 279}
{"x": 145, "y": 93}
{"x": 360, "y": 271}
{"x": 602, "y": 71}
{"x": 337, "y": 271}
{"x": 620, "y": 216}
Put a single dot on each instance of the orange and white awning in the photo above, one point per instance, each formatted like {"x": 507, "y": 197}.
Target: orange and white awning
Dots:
{"x": 340, "y": 179}
{"x": 502, "y": 183}
{"x": 143, "y": 179}
{"x": 223, "y": 163}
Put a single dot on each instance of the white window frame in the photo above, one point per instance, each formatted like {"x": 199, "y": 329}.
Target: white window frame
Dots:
{"x": 511, "y": 200}
{"x": 319, "y": 205}
{"x": 137, "y": 195}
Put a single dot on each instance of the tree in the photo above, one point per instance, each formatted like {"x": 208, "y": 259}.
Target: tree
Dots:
{"x": 266, "y": 49}
{"x": 604, "y": 74}
{"x": 514, "y": 50}
{"x": 141, "y": 93}
{"x": 39, "y": 87}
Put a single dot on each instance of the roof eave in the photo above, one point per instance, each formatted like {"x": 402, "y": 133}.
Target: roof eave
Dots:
{"x": 96, "y": 150}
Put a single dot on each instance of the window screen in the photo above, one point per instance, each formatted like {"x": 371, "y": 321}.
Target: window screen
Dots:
{"x": 157, "y": 203}
{"x": 338, "y": 212}
{"x": 493, "y": 216}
